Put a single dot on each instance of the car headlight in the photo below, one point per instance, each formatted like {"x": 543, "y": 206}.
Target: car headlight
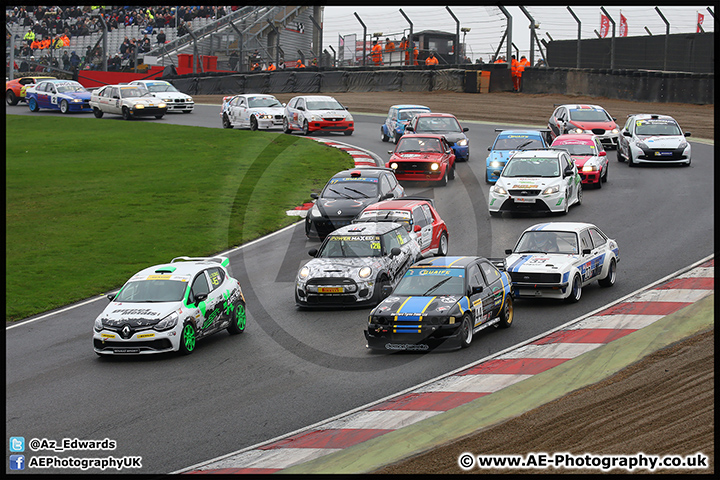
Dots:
{"x": 77, "y": 100}
{"x": 167, "y": 99}
{"x": 304, "y": 272}
{"x": 575, "y": 130}
{"x": 139, "y": 106}
{"x": 498, "y": 189}
{"x": 495, "y": 164}
{"x": 167, "y": 323}
{"x": 394, "y": 165}
{"x": 641, "y": 144}
{"x": 463, "y": 142}
{"x": 188, "y": 99}
{"x": 162, "y": 105}
{"x": 365, "y": 272}
{"x": 315, "y": 212}
{"x": 315, "y": 118}
{"x": 550, "y": 190}
{"x": 98, "y": 324}
{"x": 614, "y": 130}
{"x": 434, "y": 166}
{"x": 589, "y": 168}
{"x": 683, "y": 145}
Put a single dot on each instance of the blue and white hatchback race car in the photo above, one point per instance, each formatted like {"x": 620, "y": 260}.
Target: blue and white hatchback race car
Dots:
{"x": 507, "y": 143}
{"x": 64, "y": 95}
{"x": 398, "y": 118}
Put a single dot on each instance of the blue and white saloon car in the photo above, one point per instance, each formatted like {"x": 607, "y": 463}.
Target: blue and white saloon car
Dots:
{"x": 557, "y": 259}
{"x": 397, "y": 119}
{"x": 64, "y": 95}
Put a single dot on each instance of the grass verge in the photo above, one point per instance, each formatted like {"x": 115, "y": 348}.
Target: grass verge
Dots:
{"x": 89, "y": 202}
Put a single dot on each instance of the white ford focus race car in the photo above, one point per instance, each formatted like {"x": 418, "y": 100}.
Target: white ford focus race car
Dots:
{"x": 544, "y": 180}
{"x": 169, "y": 307}
{"x": 175, "y": 100}
{"x": 317, "y": 113}
{"x": 557, "y": 259}
{"x": 647, "y": 138}
{"x": 252, "y": 111}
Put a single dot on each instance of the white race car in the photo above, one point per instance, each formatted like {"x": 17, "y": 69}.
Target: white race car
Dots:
{"x": 176, "y": 100}
{"x": 317, "y": 113}
{"x": 545, "y": 180}
{"x": 252, "y": 111}
{"x": 647, "y": 138}
{"x": 557, "y": 259}
{"x": 169, "y": 307}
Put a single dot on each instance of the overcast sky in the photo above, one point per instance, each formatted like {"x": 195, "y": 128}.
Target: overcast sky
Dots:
{"x": 487, "y": 23}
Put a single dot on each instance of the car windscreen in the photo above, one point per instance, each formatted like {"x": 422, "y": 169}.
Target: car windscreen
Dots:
{"x": 350, "y": 246}
{"x": 517, "y": 141}
{"x": 143, "y": 291}
{"x": 69, "y": 88}
{"x": 351, "y": 188}
{"x": 131, "y": 92}
{"x": 437, "y": 124}
{"x": 539, "y": 241}
{"x": 589, "y": 115}
{"x": 329, "y": 104}
{"x": 160, "y": 87}
{"x": 656, "y": 127}
{"x": 418, "y": 144}
{"x": 397, "y": 216}
{"x": 408, "y": 114}
{"x": 578, "y": 148}
{"x": 263, "y": 102}
{"x": 432, "y": 282}
{"x": 532, "y": 167}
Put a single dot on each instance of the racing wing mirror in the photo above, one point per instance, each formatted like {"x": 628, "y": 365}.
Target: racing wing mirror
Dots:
{"x": 395, "y": 251}
{"x": 314, "y": 195}
{"x": 466, "y": 129}
{"x": 417, "y": 228}
{"x": 476, "y": 289}
{"x": 508, "y": 251}
{"x": 111, "y": 296}
{"x": 586, "y": 251}
{"x": 386, "y": 290}
{"x": 312, "y": 252}
{"x": 568, "y": 171}
{"x": 201, "y": 297}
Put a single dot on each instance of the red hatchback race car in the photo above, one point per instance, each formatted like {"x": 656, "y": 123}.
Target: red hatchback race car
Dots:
{"x": 15, "y": 89}
{"x": 592, "y": 119}
{"x": 418, "y": 216}
{"x": 588, "y": 154}
{"x": 422, "y": 157}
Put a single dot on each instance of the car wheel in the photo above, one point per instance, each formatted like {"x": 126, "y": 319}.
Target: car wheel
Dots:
{"x": 580, "y": 193}
{"x": 631, "y": 163}
{"x": 495, "y": 214}
{"x": 575, "y": 290}
{"x": 98, "y": 113}
{"x": 348, "y": 132}
{"x": 126, "y": 113}
{"x": 452, "y": 173}
{"x": 253, "y": 123}
{"x": 566, "y": 205}
{"x": 443, "y": 245}
{"x": 609, "y": 279}
{"x": 599, "y": 182}
{"x": 64, "y": 107}
{"x": 487, "y": 180}
{"x": 383, "y": 137}
{"x": 10, "y": 98}
{"x": 466, "y": 331}
{"x": 238, "y": 319}
{"x": 686, "y": 164}
{"x": 378, "y": 293}
{"x": 159, "y": 116}
{"x": 507, "y": 313}
{"x": 605, "y": 174}
{"x": 226, "y": 121}
{"x": 620, "y": 158}
{"x": 286, "y": 126}
{"x": 187, "y": 111}
{"x": 33, "y": 106}
{"x": 444, "y": 180}
{"x": 188, "y": 338}
{"x": 306, "y": 128}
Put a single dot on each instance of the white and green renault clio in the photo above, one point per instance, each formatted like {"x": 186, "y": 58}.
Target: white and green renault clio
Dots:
{"x": 169, "y": 307}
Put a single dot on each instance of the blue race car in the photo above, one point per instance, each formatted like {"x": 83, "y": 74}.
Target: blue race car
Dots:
{"x": 64, "y": 95}
{"x": 507, "y": 143}
{"x": 440, "y": 303}
{"x": 398, "y": 118}
{"x": 444, "y": 124}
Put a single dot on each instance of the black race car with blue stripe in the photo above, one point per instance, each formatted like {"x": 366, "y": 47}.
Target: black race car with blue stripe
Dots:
{"x": 440, "y": 303}
{"x": 558, "y": 259}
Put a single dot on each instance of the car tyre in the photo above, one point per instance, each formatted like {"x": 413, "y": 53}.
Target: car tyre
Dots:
{"x": 306, "y": 128}
{"x": 687, "y": 164}
{"x": 10, "y": 98}
{"x": 620, "y": 158}
{"x": 452, "y": 173}
{"x": 580, "y": 194}
{"x": 383, "y": 137}
{"x": 253, "y": 123}
{"x": 286, "y": 126}
{"x": 64, "y": 107}
{"x": 348, "y": 132}
{"x": 466, "y": 331}
{"x": 238, "y": 319}
{"x": 605, "y": 174}
{"x": 159, "y": 116}
{"x": 507, "y": 313}
{"x": 226, "y": 121}
{"x": 443, "y": 245}
{"x": 33, "y": 106}
{"x": 97, "y": 112}
{"x": 575, "y": 290}
{"x": 126, "y": 113}
{"x": 444, "y": 180}
{"x": 631, "y": 163}
{"x": 609, "y": 279}
{"x": 378, "y": 293}
{"x": 188, "y": 338}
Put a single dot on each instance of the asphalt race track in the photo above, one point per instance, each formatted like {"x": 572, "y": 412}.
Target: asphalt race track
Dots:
{"x": 294, "y": 368}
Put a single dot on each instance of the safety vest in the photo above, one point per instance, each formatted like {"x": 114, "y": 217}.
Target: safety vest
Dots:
{"x": 431, "y": 61}
{"x": 376, "y": 53}
{"x": 390, "y": 47}
{"x": 514, "y": 68}
{"x": 271, "y": 68}
{"x": 35, "y": 44}
{"x": 30, "y": 35}
{"x": 523, "y": 63}
{"x": 65, "y": 40}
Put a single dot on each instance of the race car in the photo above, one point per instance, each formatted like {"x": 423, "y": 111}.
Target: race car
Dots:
{"x": 398, "y": 118}
{"x": 441, "y": 303}
{"x": 588, "y": 154}
{"x": 252, "y": 111}
{"x": 64, "y": 95}
{"x": 507, "y": 143}
{"x": 354, "y": 263}
{"x": 443, "y": 124}
{"x": 418, "y": 216}
{"x": 317, "y": 113}
{"x": 15, "y": 89}
{"x": 175, "y": 100}
{"x": 594, "y": 119}
{"x": 557, "y": 259}
{"x": 537, "y": 181}
{"x": 168, "y": 307}
{"x": 346, "y": 194}
{"x": 652, "y": 138}
{"x": 423, "y": 157}
{"x": 130, "y": 101}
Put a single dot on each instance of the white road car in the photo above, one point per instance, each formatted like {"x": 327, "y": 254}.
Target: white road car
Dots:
{"x": 252, "y": 111}
{"x": 317, "y": 113}
{"x": 169, "y": 307}
{"x": 557, "y": 259}
{"x": 649, "y": 138}
{"x": 176, "y": 100}
{"x": 545, "y": 180}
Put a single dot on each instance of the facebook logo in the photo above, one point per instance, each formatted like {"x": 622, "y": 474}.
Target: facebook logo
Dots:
{"x": 17, "y": 462}
{"x": 17, "y": 444}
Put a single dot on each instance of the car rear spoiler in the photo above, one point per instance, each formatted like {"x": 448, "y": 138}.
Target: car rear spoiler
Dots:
{"x": 498, "y": 262}
{"x": 224, "y": 261}
{"x": 417, "y": 197}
